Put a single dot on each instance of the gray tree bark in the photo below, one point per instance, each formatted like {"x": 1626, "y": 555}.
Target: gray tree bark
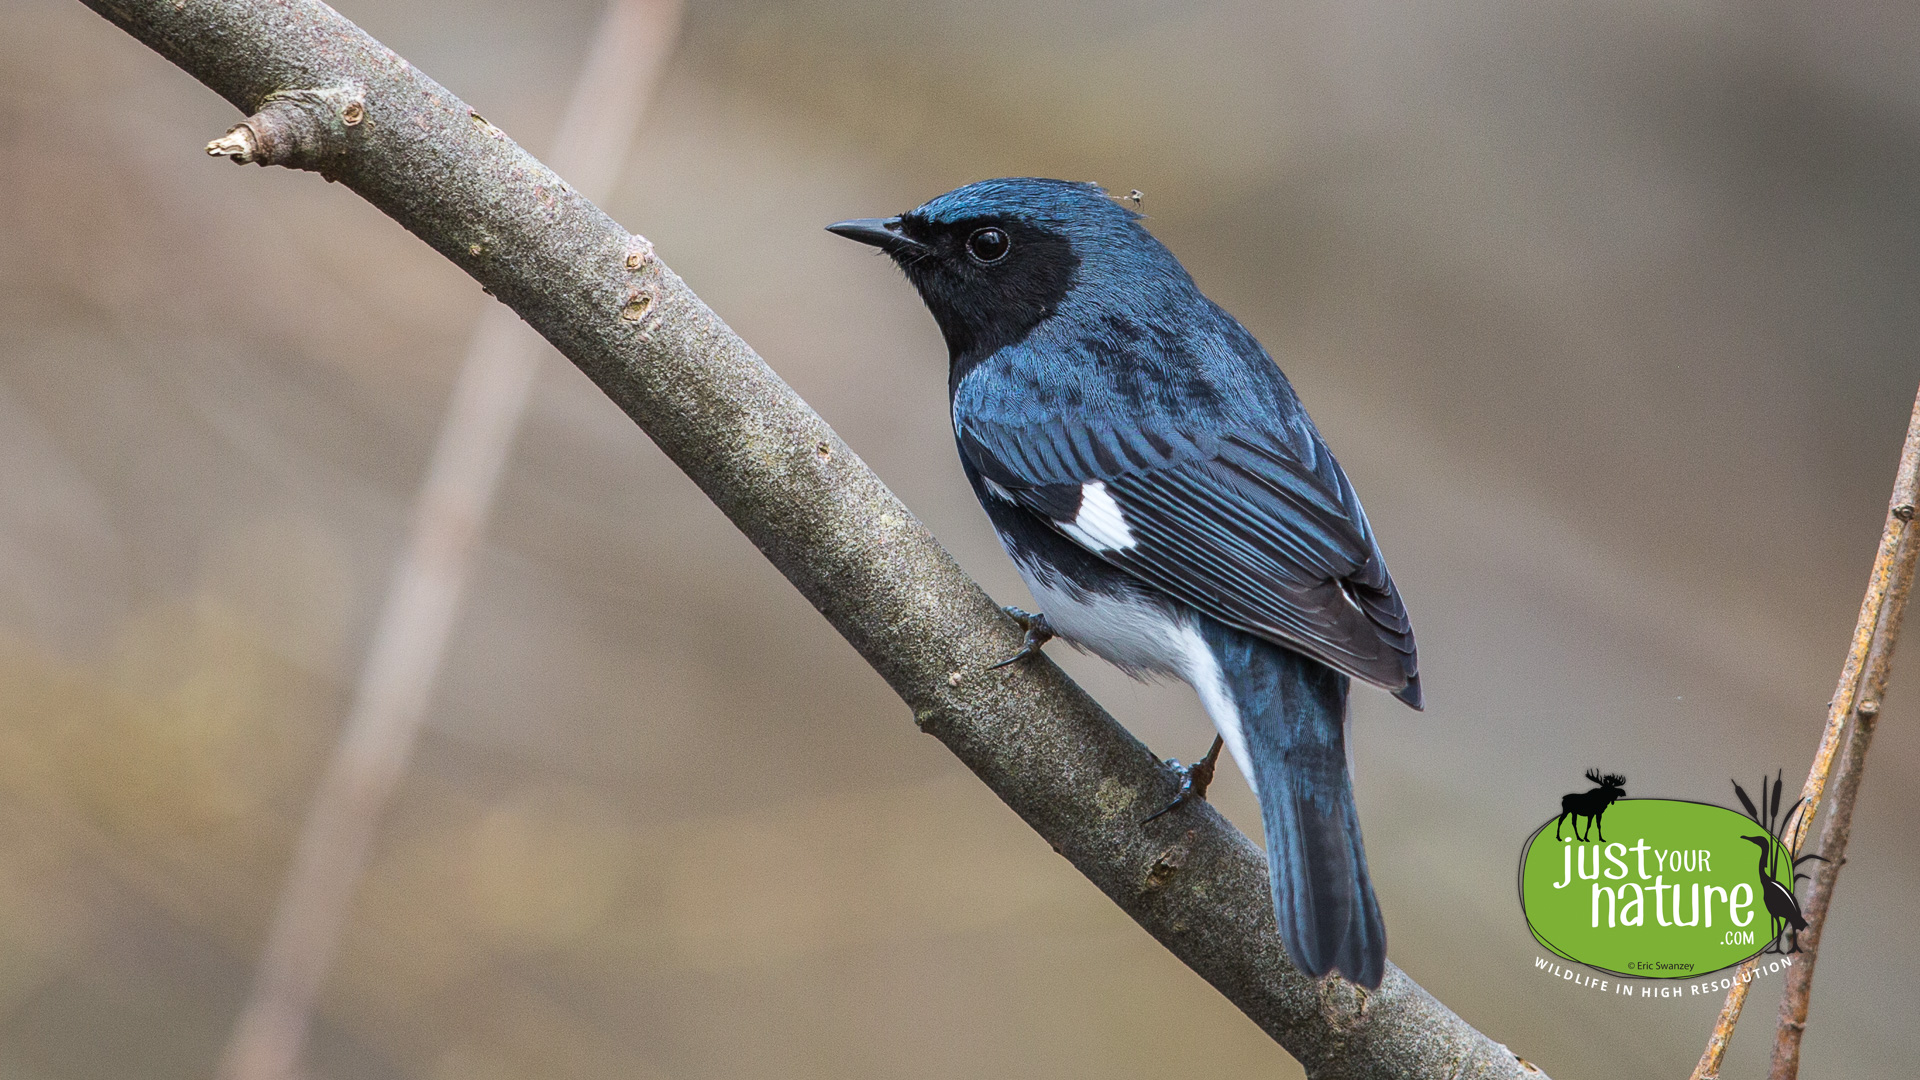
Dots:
{"x": 326, "y": 96}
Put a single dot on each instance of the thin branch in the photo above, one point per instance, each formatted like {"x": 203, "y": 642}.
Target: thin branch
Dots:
{"x": 810, "y": 504}
{"x": 1838, "y": 827}
{"x": 1875, "y": 633}
{"x": 596, "y": 134}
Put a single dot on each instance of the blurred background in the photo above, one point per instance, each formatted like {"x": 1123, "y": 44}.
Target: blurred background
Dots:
{"x": 1609, "y": 310}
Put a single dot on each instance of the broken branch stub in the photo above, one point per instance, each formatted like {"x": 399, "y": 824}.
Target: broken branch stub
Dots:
{"x": 296, "y": 129}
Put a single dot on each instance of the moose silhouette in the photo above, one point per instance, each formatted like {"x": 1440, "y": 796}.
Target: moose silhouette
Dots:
{"x": 1590, "y": 804}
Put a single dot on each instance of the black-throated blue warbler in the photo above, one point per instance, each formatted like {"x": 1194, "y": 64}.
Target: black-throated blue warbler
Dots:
{"x": 1172, "y": 509}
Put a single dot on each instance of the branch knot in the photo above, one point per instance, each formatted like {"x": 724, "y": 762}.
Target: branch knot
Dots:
{"x": 1168, "y": 864}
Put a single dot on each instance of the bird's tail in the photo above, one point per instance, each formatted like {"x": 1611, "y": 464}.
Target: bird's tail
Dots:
{"x": 1292, "y": 719}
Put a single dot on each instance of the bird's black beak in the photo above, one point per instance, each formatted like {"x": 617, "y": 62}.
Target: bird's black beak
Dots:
{"x": 883, "y": 233}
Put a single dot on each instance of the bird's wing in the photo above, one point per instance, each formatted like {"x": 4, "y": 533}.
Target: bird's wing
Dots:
{"x": 1259, "y": 530}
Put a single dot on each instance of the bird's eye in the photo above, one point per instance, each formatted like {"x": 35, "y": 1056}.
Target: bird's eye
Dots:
{"x": 988, "y": 245}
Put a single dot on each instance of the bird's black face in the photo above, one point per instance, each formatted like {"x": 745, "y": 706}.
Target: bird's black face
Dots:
{"x": 988, "y": 277}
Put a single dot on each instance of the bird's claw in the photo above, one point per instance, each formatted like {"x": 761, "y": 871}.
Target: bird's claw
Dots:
{"x": 1039, "y": 632}
{"x": 1194, "y": 780}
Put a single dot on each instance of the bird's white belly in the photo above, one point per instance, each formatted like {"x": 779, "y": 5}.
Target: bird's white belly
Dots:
{"x": 1142, "y": 636}
{"x": 1129, "y": 630}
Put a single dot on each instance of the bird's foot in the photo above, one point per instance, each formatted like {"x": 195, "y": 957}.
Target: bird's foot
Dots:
{"x": 1039, "y": 632}
{"x": 1194, "y": 780}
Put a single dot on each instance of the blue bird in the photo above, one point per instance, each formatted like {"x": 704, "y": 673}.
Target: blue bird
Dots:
{"x": 1171, "y": 508}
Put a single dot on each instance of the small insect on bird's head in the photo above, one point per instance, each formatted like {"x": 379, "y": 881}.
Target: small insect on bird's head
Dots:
{"x": 993, "y": 259}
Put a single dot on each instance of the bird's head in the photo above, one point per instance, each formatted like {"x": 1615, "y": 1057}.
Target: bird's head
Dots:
{"x": 1765, "y": 842}
{"x": 994, "y": 259}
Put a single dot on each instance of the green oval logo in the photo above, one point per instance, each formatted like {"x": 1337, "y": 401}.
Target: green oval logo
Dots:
{"x": 1655, "y": 888}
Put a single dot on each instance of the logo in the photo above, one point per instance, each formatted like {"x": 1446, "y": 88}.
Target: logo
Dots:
{"x": 1662, "y": 888}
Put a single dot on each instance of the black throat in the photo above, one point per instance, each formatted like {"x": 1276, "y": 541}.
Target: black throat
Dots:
{"x": 983, "y": 309}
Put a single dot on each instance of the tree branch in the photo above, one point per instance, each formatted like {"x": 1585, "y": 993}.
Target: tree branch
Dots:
{"x": 808, "y": 502}
{"x": 1874, "y": 633}
{"x": 1838, "y": 827}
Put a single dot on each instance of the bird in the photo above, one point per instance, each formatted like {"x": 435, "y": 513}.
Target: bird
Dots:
{"x": 1779, "y": 901}
{"x": 1172, "y": 509}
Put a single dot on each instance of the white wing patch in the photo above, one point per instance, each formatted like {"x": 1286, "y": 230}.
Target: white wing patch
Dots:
{"x": 1099, "y": 525}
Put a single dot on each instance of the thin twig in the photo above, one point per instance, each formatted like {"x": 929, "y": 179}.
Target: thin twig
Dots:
{"x": 817, "y": 512}
{"x": 1874, "y": 635}
{"x": 476, "y": 435}
{"x": 1838, "y": 827}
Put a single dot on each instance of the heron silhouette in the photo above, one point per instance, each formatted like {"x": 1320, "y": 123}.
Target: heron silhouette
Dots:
{"x": 1781, "y": 905}
{"x": 1778, "y": 898}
